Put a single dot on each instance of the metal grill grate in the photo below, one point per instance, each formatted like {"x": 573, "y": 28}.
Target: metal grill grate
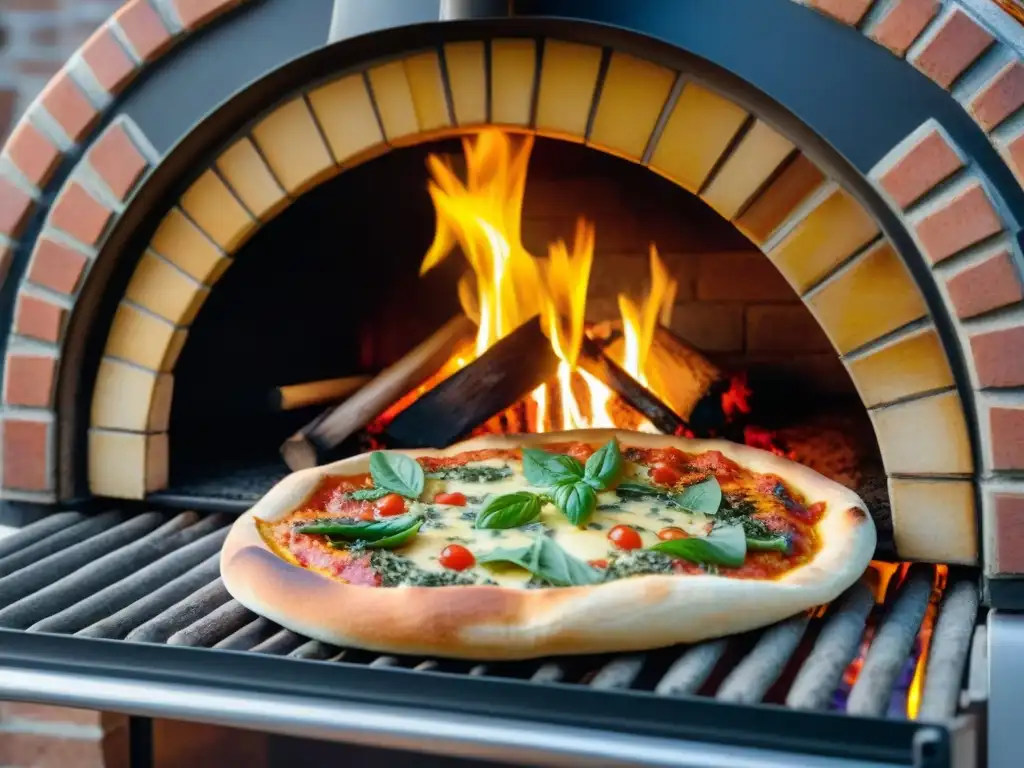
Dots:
{"x": 154, "y": 578}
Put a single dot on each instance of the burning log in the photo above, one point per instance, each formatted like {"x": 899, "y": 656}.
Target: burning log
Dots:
{"x": 599, "y": 365}
{"x": 294, "y": 396}
{"x": 500, "y": 377}
{"x": 312, "y": 443}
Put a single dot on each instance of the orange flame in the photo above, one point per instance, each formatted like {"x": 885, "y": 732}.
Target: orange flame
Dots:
{"x": 639, "y": 322}
{"x": 924, "y": 637}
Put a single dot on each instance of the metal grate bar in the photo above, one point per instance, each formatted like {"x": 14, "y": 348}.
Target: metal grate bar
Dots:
{"x": 619, "y": 673}
{"x": 155, "y": 578}
{"x": 691, "y": 670}
{"x": 182, "y": 614}
{"x": 836, "y": 647}
{"x": 281, "y": 643}
{"x": 947, "y": 656}
{"x": 891, "y": 646}
{"x": 751, "y": 678}
{"x": 43, "y": 573}
{"x": 38, "y": 537}
{"x": 121, "y": 624}
{"x": 253, "y": 633}
{"x": 191, "y": 546}
{"x": 207, "y": 631}
{"x": 111, "y": 566}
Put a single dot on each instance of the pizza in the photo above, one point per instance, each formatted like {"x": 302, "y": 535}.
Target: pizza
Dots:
{"x": 520, "y": 546}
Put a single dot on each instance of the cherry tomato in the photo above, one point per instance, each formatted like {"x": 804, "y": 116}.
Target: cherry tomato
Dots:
{"x": 390, "y": 505}
{"x": 598, "y": 563}
{"x": 624, "y": 537}
{"x": 456, "y": 557}
{"x": 667, "y": 534}
{"x": 451, "y": 499}
{"x": 663, "y": 474}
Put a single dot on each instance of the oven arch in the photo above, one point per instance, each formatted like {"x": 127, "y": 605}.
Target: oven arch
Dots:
{"x": 40, "y": 484}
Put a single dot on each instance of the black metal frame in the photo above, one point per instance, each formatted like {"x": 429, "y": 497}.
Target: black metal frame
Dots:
{"x": 628, "y": 712}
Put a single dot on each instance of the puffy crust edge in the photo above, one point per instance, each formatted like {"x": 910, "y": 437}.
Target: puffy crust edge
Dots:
{"x": 496, "y": 623}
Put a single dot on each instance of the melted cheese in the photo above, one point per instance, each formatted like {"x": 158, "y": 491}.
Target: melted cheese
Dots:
{"x": 450, "y": 524}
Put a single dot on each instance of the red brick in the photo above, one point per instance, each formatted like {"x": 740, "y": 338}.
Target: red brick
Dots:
{"x": 67, "y": 104}
{"x": 144, "y": 29}
{"x": 903, "y": 23}
{"x": 1013, "y": 154}
{"x": 55, "y": 266}
{"x": 784, "y": 328}
{"x": 46, "y": 35}
{"x": 990, "y": 284}
{"x": 79, "y": 214}
{"x": 965, "y": 219}
{"x": 1000, "y": 97}
{"x": 29, "y": 380}
{"x": 26, "y": 457}
{"x": 117, "y": 160}
{"x": 39, "y": 319}
{"x": 113, "y": 68}
{"x": 15, "y": 208}
{"x": 33, "y": 154}
{"x": 1007, "y": 536}
{"x": 42, "y": 750}
{"x": 47, "y": 714}
{"x": 196, "y": 13}
{"x": 954, "y": 48}
{"x": 999, "y": 357}
{"x": 39, "y": 67}
{"x": 710, "y": 327}
{"x": 1006, "y": 427}
{"x": 847, "y": 11}
{"x": 924, "y": 165}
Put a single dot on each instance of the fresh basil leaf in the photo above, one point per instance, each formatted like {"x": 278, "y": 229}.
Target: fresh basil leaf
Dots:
{"x": 603, "y": 466}
{"x": 725, "y": 546}
{"x": 577, "y": 502}
{"x": 543, "y": 469}
{"x": 509, "y": 510}
{"x": 370, "y": 530}
{"x": 369, "y": 494}
{"x": 397, "y": 473}
{"x": 772, "y": 544}
{"x": 391, "y": 542}
{"x": 547, "y": 561}
{"x": 705, "y": 496}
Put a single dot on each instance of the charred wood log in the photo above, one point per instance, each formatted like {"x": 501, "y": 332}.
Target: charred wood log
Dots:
{"x": 496, "y": 380}
{"x": 313, "y": 443}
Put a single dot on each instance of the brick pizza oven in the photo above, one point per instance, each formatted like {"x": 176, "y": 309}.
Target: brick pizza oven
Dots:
{"x": 214, "y": 198}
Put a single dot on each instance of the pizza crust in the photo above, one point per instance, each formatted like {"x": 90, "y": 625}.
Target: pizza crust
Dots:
{"x": 497, "y": 623}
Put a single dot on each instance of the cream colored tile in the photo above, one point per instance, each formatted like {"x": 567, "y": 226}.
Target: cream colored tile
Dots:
{"x": 183, "y": 244}
{"x": 829, "y": 234}
{"x": 127, "y": 465}
{"x": 699, "y": 128}
{"x": 567, "y": 82}
{"x": 632, "y": 98}
{"x": 346, "y": 116}
{"x": 212, "y": 206}
{"x": 871, "y": 297}
{"x": 513, "y": 64}
{"x": 934, "y": 521}
{"x": 759, "y": 153}
{"x": 129, "y": 398}
{"x": 467, "y": 78}
{"x": 906, "y": 366}
{"x": 924, "y": 437}
{"x": 394, "y": 100}
{"x": 165, "y": 290}
{"x": 143, "y": 338}
{"x": 423, "y": 73}
{"x": 244, "y": 169}
{"x": 292, "y": 145}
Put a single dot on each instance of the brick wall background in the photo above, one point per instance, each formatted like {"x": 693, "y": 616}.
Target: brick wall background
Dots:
{"x": 36, "y": 38}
